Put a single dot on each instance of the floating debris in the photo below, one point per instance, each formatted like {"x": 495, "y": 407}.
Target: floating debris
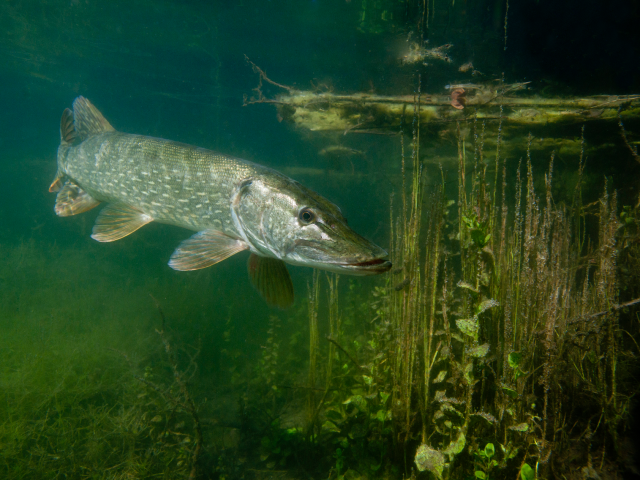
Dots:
{"x": 402, "y": 284}
{"x": 340, "y": 151}
{"x": 458, "y": 98}
{"x": 420, "y": 54}
{"x": 468, "y": 67}
{"x": 465, "y": 67}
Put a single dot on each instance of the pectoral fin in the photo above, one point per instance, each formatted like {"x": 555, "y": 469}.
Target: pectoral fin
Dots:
{"x": 204, "y": 249}
{"x": 72, "y": 200}
{"x": 271, "y": 278}
{"x": 56, "y": 185}
{"x": 118, "y": 220}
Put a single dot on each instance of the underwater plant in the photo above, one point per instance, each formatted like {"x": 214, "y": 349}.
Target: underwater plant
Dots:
{"x": 503, "y": 315}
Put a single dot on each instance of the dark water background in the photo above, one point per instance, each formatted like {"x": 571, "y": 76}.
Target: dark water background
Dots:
{"x": 177, "y": 70}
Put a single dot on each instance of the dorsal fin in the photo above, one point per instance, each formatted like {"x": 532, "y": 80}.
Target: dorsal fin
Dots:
{"x": 67, "y": 130}
{"x": 88, "y": 120}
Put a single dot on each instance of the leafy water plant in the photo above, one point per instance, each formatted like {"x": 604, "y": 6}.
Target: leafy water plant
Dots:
{"x": 503, "y": 310}
{"x": 527, "y": 473}
{"x": 502, "y": 299}
{"x": 484, "y": 461}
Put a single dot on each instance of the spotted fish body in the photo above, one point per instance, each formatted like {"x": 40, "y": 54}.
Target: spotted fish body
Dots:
{"x": 171, "y": 182}
{"x": 233, "y": 204}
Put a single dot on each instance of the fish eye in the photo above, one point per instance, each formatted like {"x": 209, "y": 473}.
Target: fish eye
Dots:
{"x": 306, "y": 216}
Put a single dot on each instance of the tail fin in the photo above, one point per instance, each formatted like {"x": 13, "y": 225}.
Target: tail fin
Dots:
{"x": 68, "y": 133}
{"x": 68, "y": 136}
{"x": 85, "y": 121}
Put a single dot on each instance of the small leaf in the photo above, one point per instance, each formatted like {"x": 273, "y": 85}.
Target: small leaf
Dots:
{"x": 330, "y": 427}
{"x": 430, "y": 460}
{"x": 467, "y": 286}
{"x": 468, "y": 373}
{"x": 457, "y": 336}
{"x": 441, "y": 376}
{"x": 479, "y": 474}
{"x": 447, "y": 407}
{"x": 368, "y": 380}
{"x": 478, "y": 237}
{"x": 511, "y": 453}
{"x": 489, "y": 450}
{"x": 522, "y": 427}
{"x": 468, "y": 326}
{"x": 440, "y": 396}
{"x": 156, "y": 419}
{"x": 358, "y": 401}
{"x": 456, "y": 446}
{"x": 381, "y": 416}
{"x": 487, "y": 416}
{"x": 480, "y": 351}
{"x": 527, "y": 473}
{"x": 514, "y": 359}
{"x": 509, "y": 391}
{"x": 486, "y": 305}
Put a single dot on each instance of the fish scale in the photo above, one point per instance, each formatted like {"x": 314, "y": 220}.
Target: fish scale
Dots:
{"x": 233, "y": 204}
{"x": 174, "y": 183}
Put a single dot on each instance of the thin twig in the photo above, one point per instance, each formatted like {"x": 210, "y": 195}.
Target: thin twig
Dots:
{"x": 633, "y": 150}
{"x": 263, "y": 76}
{"x": 346, "y": 353}
{"x": 614, "y": 308}
{"x": 188, "y": 405}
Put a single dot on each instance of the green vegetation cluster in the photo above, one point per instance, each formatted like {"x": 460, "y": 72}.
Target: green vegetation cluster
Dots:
{"x": 71, "y": 404}
{"x": 504, "y": 344}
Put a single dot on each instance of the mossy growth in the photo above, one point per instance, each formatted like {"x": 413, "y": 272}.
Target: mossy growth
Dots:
{"x": 70, "y": 404}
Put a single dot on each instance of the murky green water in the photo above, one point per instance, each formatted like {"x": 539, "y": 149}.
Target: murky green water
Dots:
{"x": 112, "y": 365}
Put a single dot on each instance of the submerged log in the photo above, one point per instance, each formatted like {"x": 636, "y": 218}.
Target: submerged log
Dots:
{"x": 367, "y": 113}
{"x": 514, "y": 104}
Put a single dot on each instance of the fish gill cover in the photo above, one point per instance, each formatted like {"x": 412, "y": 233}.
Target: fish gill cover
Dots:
{"x": 491, "y": 148}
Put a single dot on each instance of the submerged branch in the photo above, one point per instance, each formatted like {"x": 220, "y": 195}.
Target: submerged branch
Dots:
{"x": 346, "y": 353}
{"x": 370, "y": 113}
{"x": 260, "y": 95}
{"x": 186, "y": 403}
{"x": 614, "y": 308}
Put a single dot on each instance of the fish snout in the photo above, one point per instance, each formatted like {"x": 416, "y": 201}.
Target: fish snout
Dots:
{"x": 370, "y": 267}
{"x": 373, "y": 262}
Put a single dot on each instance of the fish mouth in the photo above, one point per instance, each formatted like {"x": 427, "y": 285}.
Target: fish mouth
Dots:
{"x": 369, "y": 267}
{"x": 316, "y": 254}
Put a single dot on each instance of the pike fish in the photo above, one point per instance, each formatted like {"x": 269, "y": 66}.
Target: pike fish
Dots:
{"x": 232, "y": 204}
